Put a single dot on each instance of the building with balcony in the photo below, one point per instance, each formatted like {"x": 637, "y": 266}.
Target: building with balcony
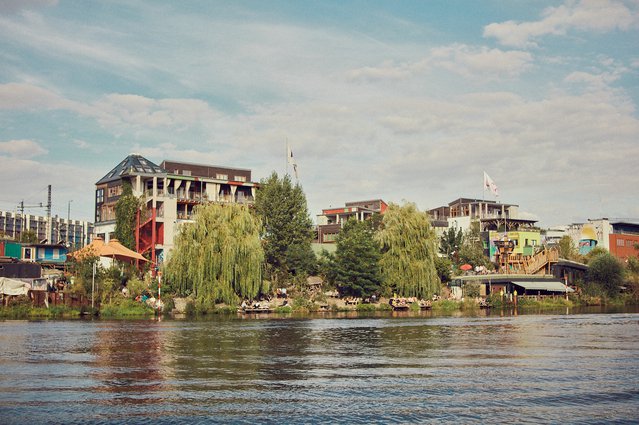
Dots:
{"x": 169, "y": 192}
{"x": 491, "y": 215}
{"x": 331, "y": 221}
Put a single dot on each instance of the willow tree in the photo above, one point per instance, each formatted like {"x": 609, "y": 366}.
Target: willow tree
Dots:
{"x": 219, "y": 256}
{"x": 409, "y": 249}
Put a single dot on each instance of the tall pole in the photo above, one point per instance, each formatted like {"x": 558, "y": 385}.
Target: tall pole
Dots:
{"x": 69, "y": 223}
{"x": 49, "y": 224}
{"x": 93, "y": 287}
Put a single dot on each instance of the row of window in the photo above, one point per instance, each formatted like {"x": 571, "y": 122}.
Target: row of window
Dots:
{"x": 627, "y": 242}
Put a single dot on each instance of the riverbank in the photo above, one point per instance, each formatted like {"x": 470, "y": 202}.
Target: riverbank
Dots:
{"x": 184, "y": 308}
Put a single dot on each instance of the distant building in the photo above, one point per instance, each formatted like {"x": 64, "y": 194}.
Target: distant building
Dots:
{"x": 170, "y": 192}
{"x": 490, "y": 214}
{"x": 618, "y": 236}
{"x": 74, "y": 233}
{"x": 331, "y": 221}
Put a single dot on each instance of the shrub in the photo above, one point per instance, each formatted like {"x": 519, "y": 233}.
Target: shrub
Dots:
{"x": 120, "y": 307}
{"x": 365, "y": 307}
{"x": 445, "y": 305}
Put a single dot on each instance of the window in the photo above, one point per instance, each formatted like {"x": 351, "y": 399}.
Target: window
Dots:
{"x": 99, "y": 196}
{"x": 114, "y": 191}
{"x": 240, "y": 178}
{"x": 620, "y": 242}
{"x": 221, "y": 176}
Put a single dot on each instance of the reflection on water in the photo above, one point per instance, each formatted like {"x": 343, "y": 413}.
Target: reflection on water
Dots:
{"x": 490, "y": 367}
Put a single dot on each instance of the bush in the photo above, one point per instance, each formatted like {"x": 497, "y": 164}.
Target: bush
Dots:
{"x": 445, "y": 305}
{"x": 365, "y": 307}
{"x": 605, "y": 271}
{"x": 472, "y": 290}
{"x": 190, "y": 310}
{"x": 121, "y": 307}
{"x": 284, "y": 309}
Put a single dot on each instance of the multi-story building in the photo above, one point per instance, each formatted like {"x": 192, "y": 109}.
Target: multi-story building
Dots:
{"x": 73, "y": 233}
{"x": 169, "y": 192}
{"x": 331, "y": 221}
{"x": 490, "y": 214}
{"x": 618, "y": 236}
{"x": 496, "y": 222}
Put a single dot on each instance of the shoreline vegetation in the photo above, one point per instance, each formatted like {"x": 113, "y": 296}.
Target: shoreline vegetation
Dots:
{"x": 130, "y": 309}
{"x": 232, "y": 259}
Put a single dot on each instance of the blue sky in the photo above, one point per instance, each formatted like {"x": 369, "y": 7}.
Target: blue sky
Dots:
{"x": 407, "y": 100}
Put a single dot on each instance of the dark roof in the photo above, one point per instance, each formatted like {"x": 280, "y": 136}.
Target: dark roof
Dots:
{"x": 202, "y": 170}
{"x": 132, "y": 164}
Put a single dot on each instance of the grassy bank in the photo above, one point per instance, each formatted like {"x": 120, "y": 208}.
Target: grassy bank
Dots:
{"x": 125, "y": 308}
{"x": 29, "y": 312}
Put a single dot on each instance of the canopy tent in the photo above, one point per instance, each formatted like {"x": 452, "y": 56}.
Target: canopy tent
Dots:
{"x": 114, "y": 250}
{"x": 13, "y": 286}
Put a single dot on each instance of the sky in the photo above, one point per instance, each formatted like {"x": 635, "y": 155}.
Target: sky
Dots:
{"x": 407, "y": 101}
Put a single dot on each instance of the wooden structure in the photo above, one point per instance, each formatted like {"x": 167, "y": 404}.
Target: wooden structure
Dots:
{"x": 539, "y": 263}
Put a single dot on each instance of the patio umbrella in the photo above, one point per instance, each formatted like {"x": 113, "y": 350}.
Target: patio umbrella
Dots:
{"x": 465, "y": 267}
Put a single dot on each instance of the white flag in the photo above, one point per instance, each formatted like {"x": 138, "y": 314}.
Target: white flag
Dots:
{"x": 291, "y": 160}
{"x": 490, "y": 184}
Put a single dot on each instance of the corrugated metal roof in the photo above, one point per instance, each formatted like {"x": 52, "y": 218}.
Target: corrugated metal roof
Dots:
{"x": 550, "y": 286}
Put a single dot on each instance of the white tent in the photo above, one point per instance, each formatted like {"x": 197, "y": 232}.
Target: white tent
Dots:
{"x": 13, "y": 286}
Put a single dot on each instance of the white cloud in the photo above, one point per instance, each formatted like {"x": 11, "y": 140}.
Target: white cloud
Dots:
{"x": 30, "y": 97}
{"x": 472, "y": 62}
{"x": 21, "y": 149}
{"x": 584, "y": 15}
{"x": 469, "y": 61}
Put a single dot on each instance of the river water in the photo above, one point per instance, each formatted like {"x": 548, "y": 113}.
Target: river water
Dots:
{"x": 491, "y": 368}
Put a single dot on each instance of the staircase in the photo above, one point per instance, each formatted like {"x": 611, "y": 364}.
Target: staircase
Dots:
{"x": 538, "y": 263}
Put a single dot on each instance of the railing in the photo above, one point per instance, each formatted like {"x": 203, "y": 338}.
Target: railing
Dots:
{"x": 540, "y": 260}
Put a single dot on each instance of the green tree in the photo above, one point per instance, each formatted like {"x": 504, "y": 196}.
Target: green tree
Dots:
{"x": 595, "y": 252}
{"x": 288, "y": 229}
{"x": 606, "y": 272}
{"x": 472, "y": 249}
{"x": 29, "y": 236}
{"x": 451, "y": 241}
{"x": 444, "y": 268}
{"x": 567, "y": 249}
{"x": 125, "y": 216}
{"x": 219, "y": 256}
{"x": 356, "y": 261}
{"x": 409, "y": 249}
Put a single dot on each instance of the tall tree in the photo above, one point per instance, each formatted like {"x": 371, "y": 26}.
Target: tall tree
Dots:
{"x": 567, "y": 248}
{"x": 451, "y": 241}
{"x": 409, "y": 248}
{"x": 219, "y": 256}
{"x": 472, "y": 248}
{"x": 288, "y": 229}
{"x": 356, "y": 264}
{"x": 125, "y": 215}
{"x": 29, "y": 236}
